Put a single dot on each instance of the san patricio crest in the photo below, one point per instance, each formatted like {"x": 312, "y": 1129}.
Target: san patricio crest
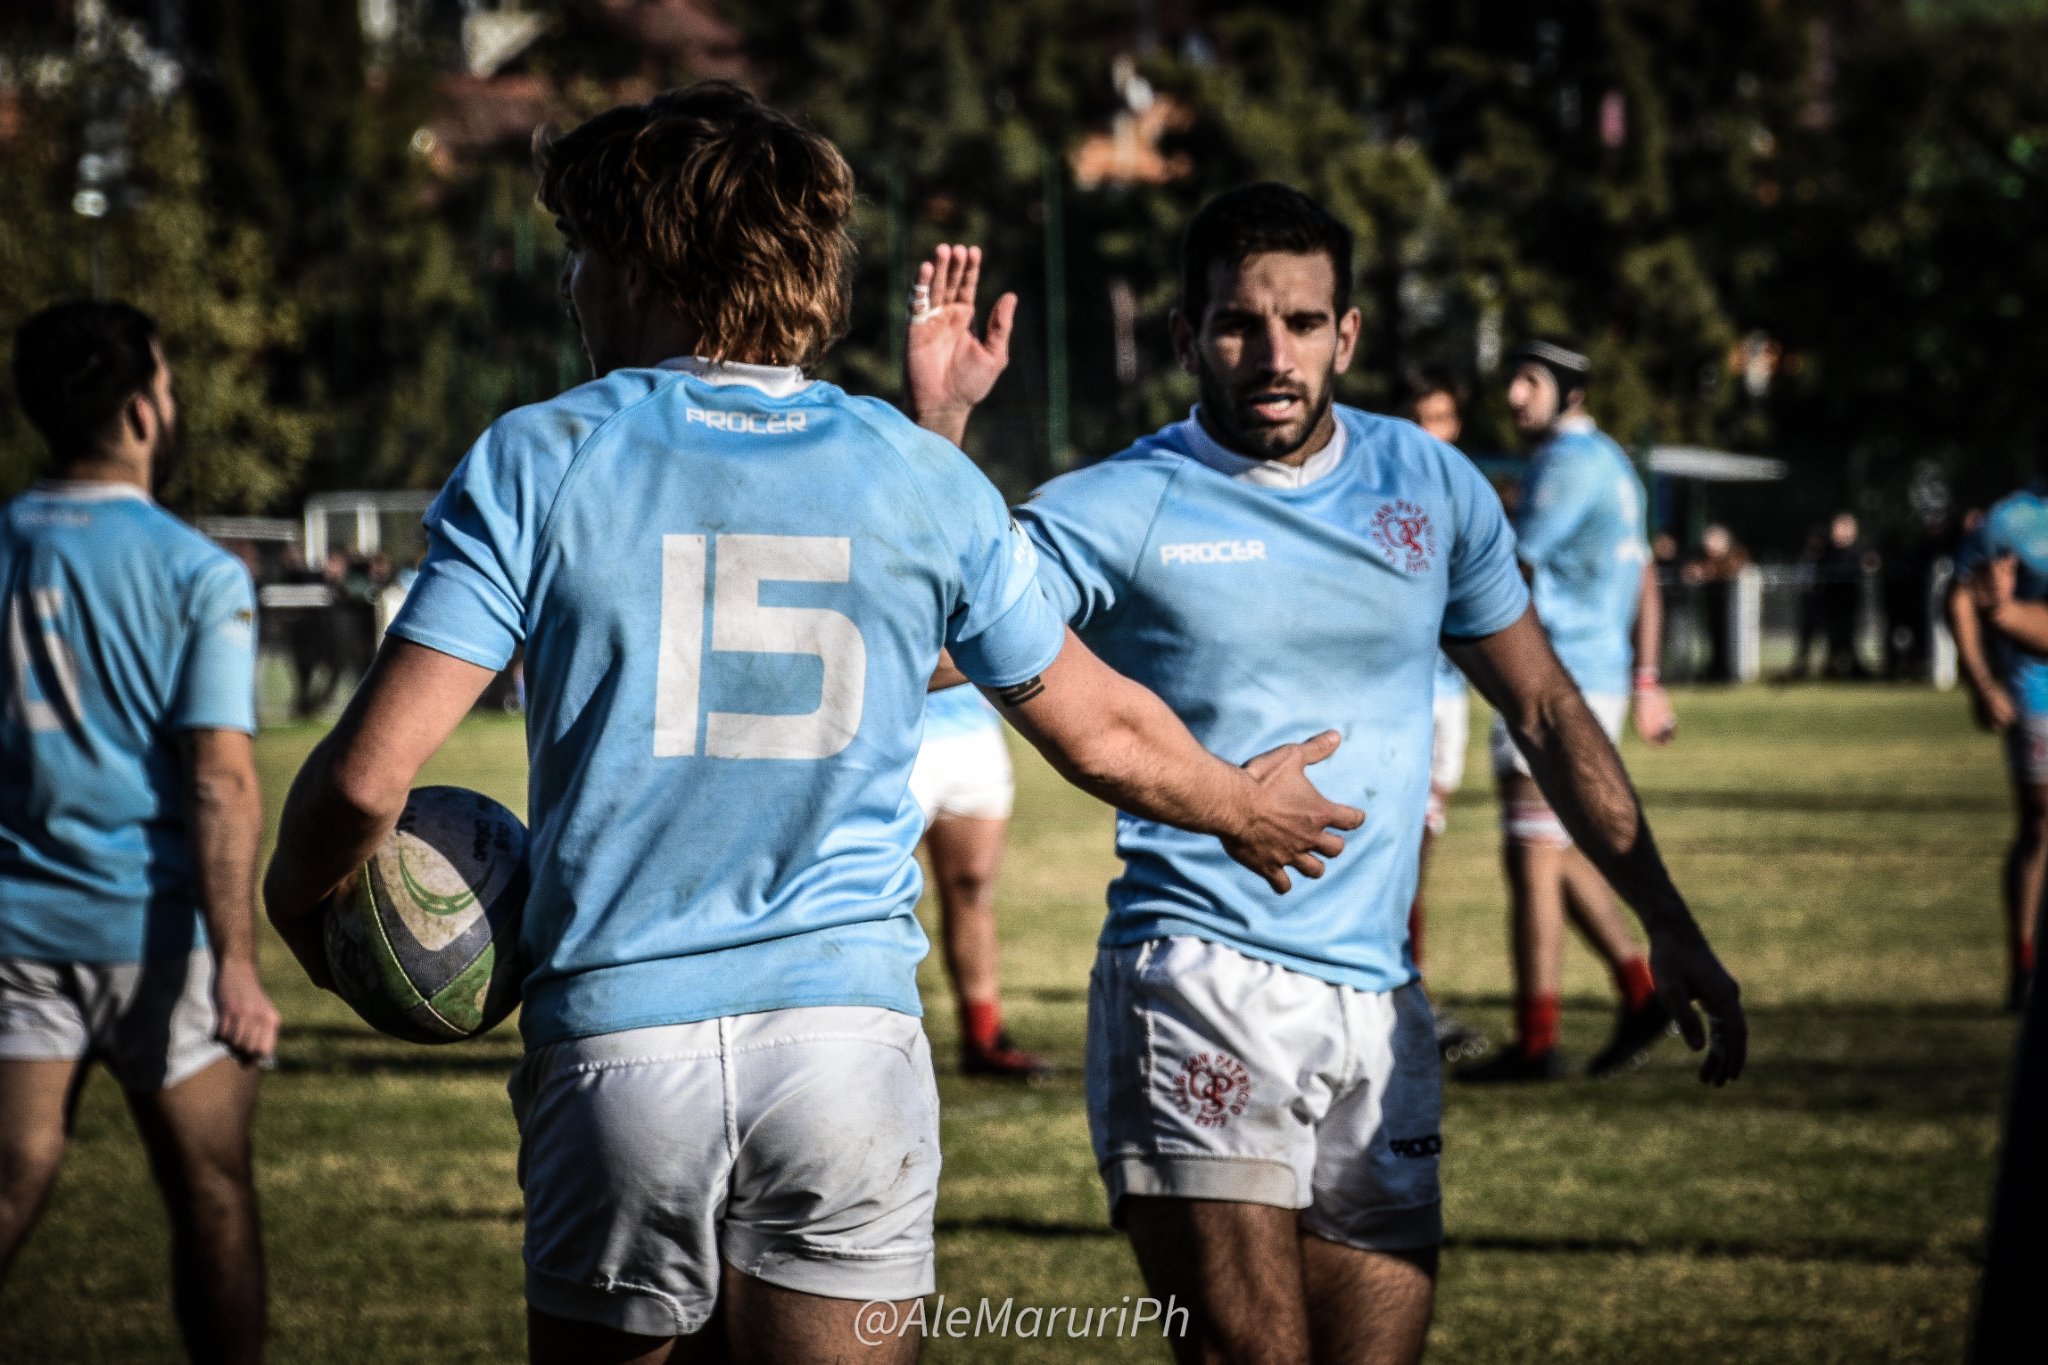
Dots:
{"x": 1405, "y": 536}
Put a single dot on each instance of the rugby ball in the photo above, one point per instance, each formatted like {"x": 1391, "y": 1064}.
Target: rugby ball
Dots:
{"x": 427, "y": 946}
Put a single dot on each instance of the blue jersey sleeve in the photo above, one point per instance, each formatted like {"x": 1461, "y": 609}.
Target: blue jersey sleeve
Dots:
{"x": 1486, "y": 592}
{"x": 469, "y": 600}
{"x": 1003, "y": 630}
{"x": 1567, "y": 489}
{"x": 217, "y": 685}
{"x": 1090, "y": 527}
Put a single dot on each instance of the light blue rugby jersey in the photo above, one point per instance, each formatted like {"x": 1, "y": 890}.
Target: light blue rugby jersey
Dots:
{"x": 956, "y": 711}
{"x": 1449, "y": 681}
{"x": 125, "y": 627}
{"x": 1580, "y": 527}
{"x": 732, "y": 596}
{"x": 1264, "y": 615}
{"x": 2017, "y": 526}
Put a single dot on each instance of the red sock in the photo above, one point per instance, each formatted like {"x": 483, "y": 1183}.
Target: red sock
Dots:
{"x": 982, "y": 1020}
{"x": 1632, "y": 978}
{"x": 1536, "y": 1024}
{"x": 2023, "y": 957}
{"x": 1415, "y": 932}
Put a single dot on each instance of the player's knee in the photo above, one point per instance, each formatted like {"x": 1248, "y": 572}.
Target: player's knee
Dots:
{"x": 1532, "y": 824}
{"x": 970, "y": 887}
{"x": 28, "y": 1163}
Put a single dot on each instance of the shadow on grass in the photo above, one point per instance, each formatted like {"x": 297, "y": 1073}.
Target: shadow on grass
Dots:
{"x": 1832, "y": 1011}
{"x": 1838, "y": 1250}
{"x": 1792, "y": 801}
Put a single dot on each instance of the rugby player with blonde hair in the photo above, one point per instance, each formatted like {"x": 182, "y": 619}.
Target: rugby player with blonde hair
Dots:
{"x": 733, "y": 584}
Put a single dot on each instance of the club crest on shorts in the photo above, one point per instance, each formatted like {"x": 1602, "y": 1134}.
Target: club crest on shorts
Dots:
{"x": 1405, "y": 536}
{"x": 1212, "y": 1088}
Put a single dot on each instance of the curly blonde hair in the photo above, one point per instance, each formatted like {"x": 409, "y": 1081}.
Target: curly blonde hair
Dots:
{"x": 740, "y": 214}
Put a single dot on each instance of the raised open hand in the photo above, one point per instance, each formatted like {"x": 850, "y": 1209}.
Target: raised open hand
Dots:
{"x": 948, "y": 369}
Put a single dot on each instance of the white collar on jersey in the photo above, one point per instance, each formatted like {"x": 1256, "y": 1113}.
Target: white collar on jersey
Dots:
{"x": 1578, "y": 424}
{"x": 777, "y": 381}
{"x": 91, "y": 490}
{"x": 1265, "y": 473}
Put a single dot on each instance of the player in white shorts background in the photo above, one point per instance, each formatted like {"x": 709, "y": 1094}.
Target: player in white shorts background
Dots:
{"x": 733, "y": 584}
{"x": 964, "y": 786}
{"x": 1434, "y": 401}
{"x": 1263, "y": 1082}
{"x": 1580, "y": 538}
{"x": 129, "y": 819}
{"x": 1995, "y": 610}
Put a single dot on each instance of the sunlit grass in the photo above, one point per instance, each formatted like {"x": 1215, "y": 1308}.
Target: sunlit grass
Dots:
{"x": 1841, "y": 846}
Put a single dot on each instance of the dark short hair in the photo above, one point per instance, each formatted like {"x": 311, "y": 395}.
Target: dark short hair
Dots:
{"x": 739, "y": 213}
{"x": 1257, "y": 218}
{"x": 77, "y": 364}
{"x": 1420, "y": 381}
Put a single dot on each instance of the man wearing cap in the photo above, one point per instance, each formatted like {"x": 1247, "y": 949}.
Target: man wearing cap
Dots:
{"x": 1580, "y": 539}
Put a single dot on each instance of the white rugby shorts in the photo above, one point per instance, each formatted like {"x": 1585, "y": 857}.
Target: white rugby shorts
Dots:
{"x": 153, "y": 1023}
{"x": 799, "y": 1145}
{"x": 2026, "y": 749}
{"x": 1214, "y": 1075}
{"x": 1609, "y": 708}
{"x": 965, "y": 776}
{"x": 1451, "y": 722}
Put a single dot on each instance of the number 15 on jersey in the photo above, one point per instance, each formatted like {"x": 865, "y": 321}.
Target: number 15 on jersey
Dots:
{"x": 741, "y": 623}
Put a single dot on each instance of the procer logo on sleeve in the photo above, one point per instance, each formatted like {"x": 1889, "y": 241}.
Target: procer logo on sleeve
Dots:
{"x": 750, "y": 423}
{"x": 1212, "y": 551}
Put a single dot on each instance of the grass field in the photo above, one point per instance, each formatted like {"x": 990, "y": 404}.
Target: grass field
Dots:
{"x": 1841, "y": 846}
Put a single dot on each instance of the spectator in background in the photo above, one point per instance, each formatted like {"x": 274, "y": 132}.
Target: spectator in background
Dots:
{"x": 1809, "y": 601}
{"x": 1838, "y": 596}
{"x": 1712, "y": 575}
{"x": 310, "y": 637}
{"x": 1909, "y": 562}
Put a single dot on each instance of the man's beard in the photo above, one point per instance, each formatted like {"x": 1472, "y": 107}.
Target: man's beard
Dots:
{"x": 1260, "y": 442}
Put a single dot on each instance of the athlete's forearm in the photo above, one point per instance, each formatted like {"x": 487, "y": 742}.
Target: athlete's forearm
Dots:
{"x": 2024, "y": 623}
{"x": 227, "y": 832}
{"x": 1969, "y": 637}
{"x": 1119, "y": 743}
{"x": 354, "y": 784}
{"x": 1581, "y": 775}
{"x": 1573, "y": 762}
{"x": 1649, "y": 631}
{"x": 329, "y": 829}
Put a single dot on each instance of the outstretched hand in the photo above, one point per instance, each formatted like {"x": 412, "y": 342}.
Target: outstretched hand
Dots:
{"x": 1687, "y": 971}
{"x": 1289, "y": 822}
{"x": 947, "y": 368}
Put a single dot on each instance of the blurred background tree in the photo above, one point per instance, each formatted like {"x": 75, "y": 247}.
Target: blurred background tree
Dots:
{"x": 1804, "y": 227}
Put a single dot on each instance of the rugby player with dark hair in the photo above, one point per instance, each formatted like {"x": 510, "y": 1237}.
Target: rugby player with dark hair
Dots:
{"x": 129, "y": 818}
{"x": 1580, "y": 540}
{"x": 1264, "y": 1087}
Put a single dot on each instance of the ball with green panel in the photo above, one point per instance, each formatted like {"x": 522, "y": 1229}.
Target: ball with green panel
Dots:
{"x": 427, "y": 947}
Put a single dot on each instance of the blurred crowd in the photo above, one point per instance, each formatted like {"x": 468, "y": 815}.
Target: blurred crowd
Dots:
{"x": 1846, "y": 590}
{"x": 330, "y": 629}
